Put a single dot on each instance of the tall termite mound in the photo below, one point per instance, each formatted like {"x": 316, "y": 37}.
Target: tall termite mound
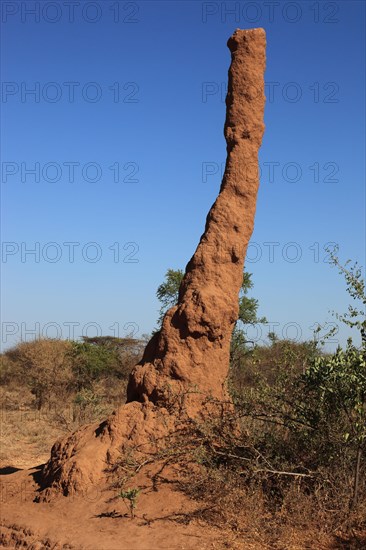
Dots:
{"x": 189, "y": 356}
{"x": 192, "y": 348}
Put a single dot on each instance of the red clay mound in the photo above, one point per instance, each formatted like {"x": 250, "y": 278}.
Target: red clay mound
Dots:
{"x": 188, "y": 358}
{"x": 191, "y": 351}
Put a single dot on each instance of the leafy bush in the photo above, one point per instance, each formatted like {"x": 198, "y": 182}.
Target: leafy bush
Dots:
{"x": 89, "y": 363}
{"x": 88, "y": 406}
{"x": 336, "y": 387}
{"x": 55, "y": 370}
{"x": 268, "y": 363}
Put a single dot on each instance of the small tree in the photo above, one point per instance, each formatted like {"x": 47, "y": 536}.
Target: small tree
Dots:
{"x": 338, "y": 387}
{"x": 248, "y": 307}
{"x": 44, "y": 366}
{"x": 355, "y": 316}
{"x": 311, "y": 406}
{"x": 349, "y": 367}
{"x": 248, "y": 311}
{"x": 123, "y": 353}
{"x": 168, "y": 291}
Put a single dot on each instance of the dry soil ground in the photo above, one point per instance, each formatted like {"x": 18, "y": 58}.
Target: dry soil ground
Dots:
{"x": 166, "y": 518}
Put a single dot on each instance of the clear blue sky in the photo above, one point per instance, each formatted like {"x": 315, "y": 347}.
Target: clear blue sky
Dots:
{"x": 140, "y": 87}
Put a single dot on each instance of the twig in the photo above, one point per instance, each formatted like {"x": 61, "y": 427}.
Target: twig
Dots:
{"x": 148, "y": 461}
{"x": 230, "y": 455}
{"x": 277, "y": 472}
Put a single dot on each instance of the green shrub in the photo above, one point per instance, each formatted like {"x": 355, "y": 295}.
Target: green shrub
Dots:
{"x": 89, "y": 363}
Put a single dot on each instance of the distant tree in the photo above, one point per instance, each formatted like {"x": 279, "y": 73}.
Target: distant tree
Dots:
{"x": 43, "y": 365}
{"x": 89, "y": 362}
{"x": 272, "y": 337}
{"x": 121, "y": 354}
{"x": 119, "y": 345}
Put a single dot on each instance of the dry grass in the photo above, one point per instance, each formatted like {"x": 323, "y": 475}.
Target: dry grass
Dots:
{"x": 265, "y": 511}
{"x": 242, "y": 511}
{"x": 27, "y": 434}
